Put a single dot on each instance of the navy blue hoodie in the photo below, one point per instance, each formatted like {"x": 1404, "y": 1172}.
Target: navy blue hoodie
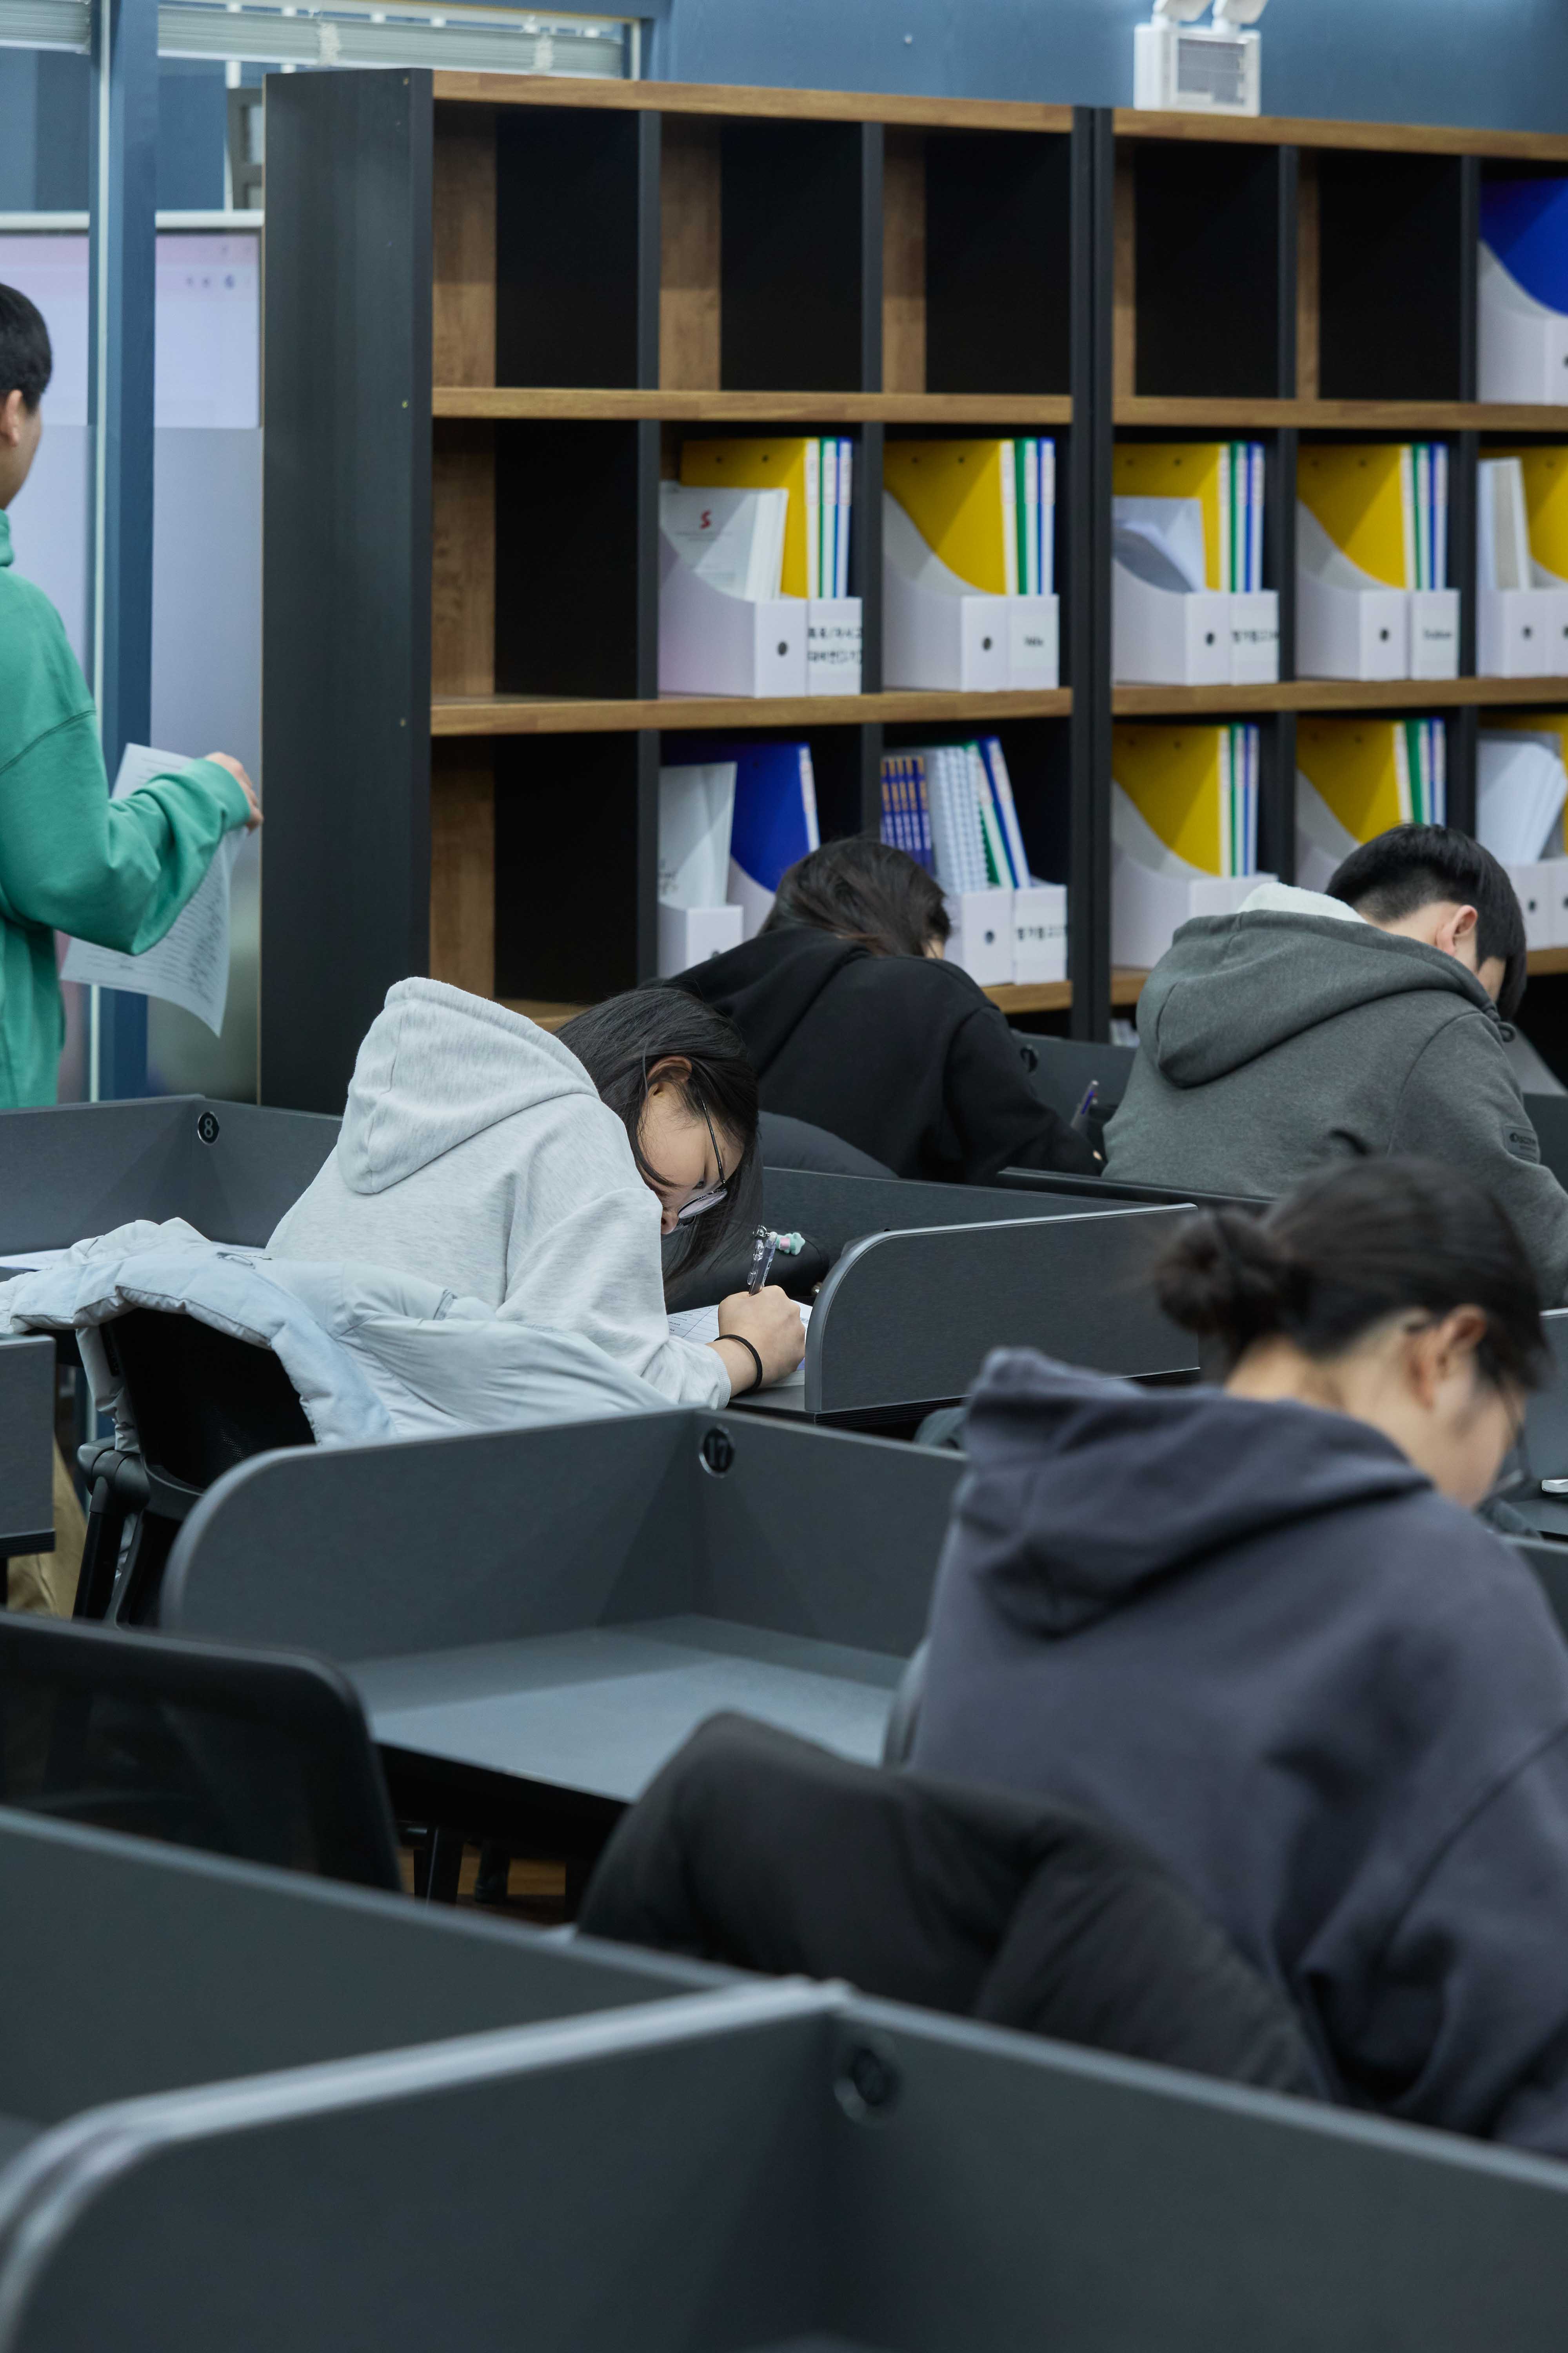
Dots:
{"x": 1256, "y": 1637}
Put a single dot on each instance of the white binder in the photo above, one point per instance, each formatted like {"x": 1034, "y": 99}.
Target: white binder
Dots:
{"x": 1040, "y": 932}
{"x": 939, "y": 632}
{"x": 1541, "y": 895}
{"x": 1168, "y": 636}
{"x": 981, "y": 939}
{"x": 1255, "y": 636}
{"x": 1361, "y": 633}
{"x": 1522, "y": 633}
{"x": 711, "y": 643}
{"x": 688, "y": 936}
{"x": 833, "y": 638}
{"x": 1433, "y": 632}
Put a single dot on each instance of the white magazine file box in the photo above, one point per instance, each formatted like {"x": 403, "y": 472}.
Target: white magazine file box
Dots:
{"x": 1523, "y": 345}
{"x": 1536, "y": 888}
{"x": 688, "y": 936}
{"x": 1362, "y": 633}
{"x": 939, "y": 632}
{"x": 981, "y": 939}
{"x": 1433, "y": 632}
{"x": 1040, "y": 932}
{"x": 833, "y": 643}
{"x": 1168, "y": 636}
{"x": 1522, "y": 633}
{"x": 1255, "y": 636}
{"x": 711, "y": 643}
{"x": 1148, "y": 909}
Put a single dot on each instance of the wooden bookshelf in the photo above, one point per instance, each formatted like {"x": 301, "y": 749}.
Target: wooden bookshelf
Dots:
{"x": 498, "y": 306}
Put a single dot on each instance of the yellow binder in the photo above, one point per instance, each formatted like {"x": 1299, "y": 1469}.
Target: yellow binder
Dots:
{"x": 1536, "y": 723}
{"x": 789, "y": 463}
{"x": 1176, "y": 779}
{"x": 1181, "y": 470}
{"x": 1364, "y": 495}
{"x": 960, "y": 496}
{"x": 1359, "y": 768}
{"x": 1545, "y": 504}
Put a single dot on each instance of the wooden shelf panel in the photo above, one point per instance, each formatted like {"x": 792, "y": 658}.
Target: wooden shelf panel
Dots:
{"x": 498, "y": 404}
{"x": 1338, "y": 416}
{"x": 1303, "y": 131}
{"x": 1056, "y": 996}
{"x": 1544, "y": 961}
{"x": 776, "y": 105}
{"x": 518, "y": 714}
{"x": 1337, "y": 694}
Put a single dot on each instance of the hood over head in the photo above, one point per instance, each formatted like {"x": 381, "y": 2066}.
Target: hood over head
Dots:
{"x": 1083, "y": 1492}
{"x": 1232, "y": 987}
{"x": 768, "y": 986}
{"x": 436, "y": 1067}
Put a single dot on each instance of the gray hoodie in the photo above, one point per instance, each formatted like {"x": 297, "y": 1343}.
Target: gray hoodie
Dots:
{"x": 1292, "y": 1035}
{"x": 474, "y": 1152}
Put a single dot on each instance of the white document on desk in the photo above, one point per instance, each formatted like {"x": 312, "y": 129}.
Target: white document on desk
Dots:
{"x": 702, "y": 1323}
{"x": 189, "y": 966}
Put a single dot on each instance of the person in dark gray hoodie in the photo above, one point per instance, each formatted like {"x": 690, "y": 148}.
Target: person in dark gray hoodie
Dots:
{"x": 1259, "y": 1630}
{"x": 1311, "y": 1028}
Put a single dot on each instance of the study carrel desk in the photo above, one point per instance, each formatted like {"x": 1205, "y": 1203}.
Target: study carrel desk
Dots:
{"x": 536, "y": 1620}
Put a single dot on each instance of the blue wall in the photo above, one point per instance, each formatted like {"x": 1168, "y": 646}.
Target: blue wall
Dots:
{"x": 1495, "y": 62}
{"x": 1498, "y": 62}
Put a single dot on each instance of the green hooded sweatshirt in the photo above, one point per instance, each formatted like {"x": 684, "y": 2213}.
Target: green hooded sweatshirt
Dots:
{"x": 116, "y": 873}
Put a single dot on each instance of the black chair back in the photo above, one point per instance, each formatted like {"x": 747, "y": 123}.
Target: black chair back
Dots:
{"x": 251, "y": 1753}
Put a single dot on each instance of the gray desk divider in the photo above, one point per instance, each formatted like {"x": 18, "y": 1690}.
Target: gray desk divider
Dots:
{"x": 565, "y": 1606}
{"x": 26, "y": 1447}
{"x": 905, "y": 1319}
{"x": 837, "y": 1210}
{"x": 769, "y": 2168}
{"x": 83, "y": 1168}
{"x": 134, "y": 1968}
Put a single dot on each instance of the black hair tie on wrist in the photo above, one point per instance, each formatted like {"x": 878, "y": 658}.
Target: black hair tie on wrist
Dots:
{"x": 752, "y": 1353}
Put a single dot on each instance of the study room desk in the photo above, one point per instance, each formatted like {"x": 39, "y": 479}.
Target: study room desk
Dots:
{"x": 536, "y": 1620}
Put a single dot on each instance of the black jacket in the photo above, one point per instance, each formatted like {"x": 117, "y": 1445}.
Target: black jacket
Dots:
{"x": 1256, "y": 1638}
{"x": 903, "y": 1056}
{"x": 757, "y": 1849}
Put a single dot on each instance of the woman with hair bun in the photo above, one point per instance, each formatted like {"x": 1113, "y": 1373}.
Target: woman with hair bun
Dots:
{"x": 1258, "y": 1628}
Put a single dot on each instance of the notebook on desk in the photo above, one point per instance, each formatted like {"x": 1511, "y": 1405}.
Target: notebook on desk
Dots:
{"x": 702, "y": 1323}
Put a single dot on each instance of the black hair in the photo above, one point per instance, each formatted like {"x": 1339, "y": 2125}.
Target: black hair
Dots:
{"x": 1365, "y": 1241}
{"x": 619, "y": 1041}
{"x": 26, "y": 362}
{"x": 866, "y": 890}
{"x": 1398, "y": 873}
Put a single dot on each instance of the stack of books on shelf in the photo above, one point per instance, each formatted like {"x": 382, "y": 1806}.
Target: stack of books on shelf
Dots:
{"x": 968, "y": 535}
{"x": 733, "y": 815}
{"x": 1373, "y": 562}
{"x": 1183, "y": 831}
{"x": 1189, "y": 607}
{"x": 1521, "y": 787}
{"x": 1523, "y": 291}
{"x": 754, "y": 569}
{"x": 951, "y": 807}
{"x": 1358, "y": 777}
{"x": 1521, "y": 564}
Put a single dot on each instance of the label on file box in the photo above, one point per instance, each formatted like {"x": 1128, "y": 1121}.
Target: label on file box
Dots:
{"x": 1434, "y": 633}
{"x": 833, "y": 641}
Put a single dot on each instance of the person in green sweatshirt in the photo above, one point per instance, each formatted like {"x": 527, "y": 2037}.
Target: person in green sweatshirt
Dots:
{"x": 116, "y": 873}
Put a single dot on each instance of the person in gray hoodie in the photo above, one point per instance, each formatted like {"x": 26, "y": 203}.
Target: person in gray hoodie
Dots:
{"x": 1259, "y": 1630}
{"x": 1313, "y": 1027}
{"x": 535, "y": 1174}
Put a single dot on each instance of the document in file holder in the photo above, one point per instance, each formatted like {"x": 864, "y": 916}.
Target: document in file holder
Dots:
{"x": 1521, "y": 788}
{"x": 939, "y": 631}
{"x": 1521, "y": 564}
{"x": 1167, "y": 628}
{"x": 189, "y": 966}
{"x": 1347, "y": 625}
{"x": 1373, "y": 521}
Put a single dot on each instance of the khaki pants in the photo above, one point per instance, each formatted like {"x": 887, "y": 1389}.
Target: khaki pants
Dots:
{"x": 43, "y": 1584}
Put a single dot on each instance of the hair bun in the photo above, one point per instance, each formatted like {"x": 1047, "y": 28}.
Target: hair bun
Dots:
{"x": 1226, "y": 1278}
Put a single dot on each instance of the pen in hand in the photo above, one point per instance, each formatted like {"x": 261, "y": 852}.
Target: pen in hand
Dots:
{"x": 765, "y": 1245}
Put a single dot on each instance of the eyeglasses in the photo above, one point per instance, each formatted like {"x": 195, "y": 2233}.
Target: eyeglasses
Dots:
{"x": 701, "y": 1203}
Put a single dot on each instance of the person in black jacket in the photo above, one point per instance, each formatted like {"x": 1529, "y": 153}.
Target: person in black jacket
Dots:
{"x": 1258, "y": 1629}
{"x": 855, "y": 1022}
